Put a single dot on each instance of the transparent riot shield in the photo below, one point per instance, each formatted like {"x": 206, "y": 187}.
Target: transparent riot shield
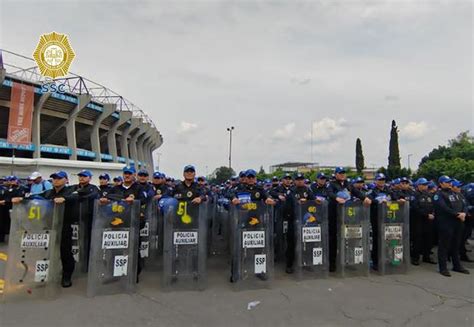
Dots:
{"x": 252, "y": 257}
{"x": 34, "y": 265}
{"x": 394, "y": 248}
{"x": 280, "y": 227}
{"x": 185, "y": 245}
{"x": 147, "y": 232}
{"x": 114, "y": 248}
{"x": 220, "y": 229}
{"x": 81, "y": 238}
{"x": 353, "y": 239}
{"x": 311, "y": 239}
{"x": 154, "y": 236}
{"x": 211, "y": 219}
{"x": 3, "y": 268}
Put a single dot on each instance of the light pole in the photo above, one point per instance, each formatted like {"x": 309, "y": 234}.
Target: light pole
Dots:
{"x": 408, "y": 159}
{"x": 230, "y": 129}
{"x": 158, "y": 155}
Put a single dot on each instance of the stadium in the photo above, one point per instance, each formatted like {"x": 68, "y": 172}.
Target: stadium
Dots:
{"x": 76, "y": 124}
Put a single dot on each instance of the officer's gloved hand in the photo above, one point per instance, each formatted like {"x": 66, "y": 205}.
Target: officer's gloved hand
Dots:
{"x": 367, "y": 202}
{"x": 82, "y": 192}
{"x": 103, "y": 201}
{"x": 270, "y": 201}
{"x": 15, "y": 200}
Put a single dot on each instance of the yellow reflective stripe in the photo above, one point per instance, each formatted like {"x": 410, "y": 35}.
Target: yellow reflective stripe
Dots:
{"x": 3, "y": 256}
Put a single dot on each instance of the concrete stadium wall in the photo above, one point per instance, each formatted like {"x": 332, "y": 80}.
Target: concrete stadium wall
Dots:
{"x": 24, "y": 167}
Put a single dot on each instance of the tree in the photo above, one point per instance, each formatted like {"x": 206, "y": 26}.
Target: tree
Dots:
{"x": 359, "y": 157}
{"x": 222, "y": 174}
{"x": 455, "y": 160}
{"x": 460, "y": 147}
{"x": 456, "y": 168}
{"x": 394, "y": 166}
{"x": 261, "y": 175}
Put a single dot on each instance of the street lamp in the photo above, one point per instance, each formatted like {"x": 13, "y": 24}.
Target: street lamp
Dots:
{"x": 158, "y": 155}
{"x": 408, "y": 159}
{"x": 230, "y": 129}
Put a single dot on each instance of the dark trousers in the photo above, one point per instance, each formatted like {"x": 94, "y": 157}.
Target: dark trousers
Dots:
{"x": 374, "y": 222}
{"x": 467, "y": 232}
{"x": 67, "y": 258}
{"x": 290, "y": 244}
{"x": 421, "y": 236}
{"x": 4, "y": 222}
{"x": 449, "y": 238}
{"x": 332, "y": 226}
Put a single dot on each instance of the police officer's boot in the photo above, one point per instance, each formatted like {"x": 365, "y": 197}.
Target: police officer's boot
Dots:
{"x": 66, "y": 281}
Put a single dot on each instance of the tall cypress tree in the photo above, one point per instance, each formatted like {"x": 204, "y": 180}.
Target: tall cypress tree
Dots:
{"x": 394, "y": 152}
{"x": 359, "y": 156}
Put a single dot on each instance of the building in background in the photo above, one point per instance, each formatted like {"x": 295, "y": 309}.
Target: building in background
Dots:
{"x": 76, "y": 124}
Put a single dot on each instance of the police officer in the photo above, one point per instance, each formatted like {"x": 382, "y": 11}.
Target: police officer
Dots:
{"x": 319, "y": 188}
{"x": 468, "y": 192}
{"x": 147, "y": 187}
{"x": 339, "y": 184}
{"x": 61, "y": 193}
{"x": 378, "y": 194}
{"x": 104, "y": 185}
{"x": 284, "y": 213}
{"x": 159, "y": 185}
{"x": 301, "y": 194}
{"x": 359, "y": 191}
{"x": 257, "y": 193}
{"x": 403, "y": 192}
{"x": 129, "y": 191}
{"x": 201, "y": 180}
{"x": 450, "y": 212}
{"x": 275, "y": 182}
{"x": 87, "y": 193}
{"x": 456, "y": 187}
{"x": 188, "y": 189}
{"x": 13, "y": 189}
{"x": 421, "y": 223}
{"x": 118, "y": 181}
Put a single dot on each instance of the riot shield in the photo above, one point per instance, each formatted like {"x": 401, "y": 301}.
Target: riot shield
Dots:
{"x": 220, "y": 229}
{"x": 280, "y": 227}
{"x": 311, "y": 239}
{"x": 185, "y": 245}
{"x": 353, "y": 239}
{"x": 148, "y": 231}
{"x": 252, "y": 255}
{"x": 394, "y": 241}
{"x": 34, "y": 266}
{"x": 3, "y": 268}
{"x": 81, "y": 238}
{"x": 114, "y": 248}
{"x": 154, "y": 239}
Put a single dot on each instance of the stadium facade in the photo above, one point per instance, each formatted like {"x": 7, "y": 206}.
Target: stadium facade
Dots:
{"x": 80, "y": 125}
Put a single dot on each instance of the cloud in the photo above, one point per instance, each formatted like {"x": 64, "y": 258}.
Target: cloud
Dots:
{"x": 186, "y": 127}
{"x": 327, "y": 130}
{"x": 414, "y": 131}
{"x": 285, "y": 132}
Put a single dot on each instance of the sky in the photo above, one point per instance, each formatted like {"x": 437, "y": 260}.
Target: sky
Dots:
{"x": 273, "y": 70}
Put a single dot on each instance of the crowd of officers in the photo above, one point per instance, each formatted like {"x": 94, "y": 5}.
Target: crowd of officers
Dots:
{"x": 441, "y": 213}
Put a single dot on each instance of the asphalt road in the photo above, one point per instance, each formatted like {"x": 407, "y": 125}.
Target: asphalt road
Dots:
{"x": 420, "y": 298}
